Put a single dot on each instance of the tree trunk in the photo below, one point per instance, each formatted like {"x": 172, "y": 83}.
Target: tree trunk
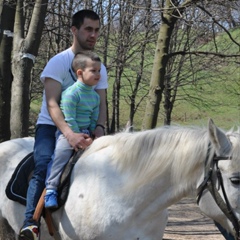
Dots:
{"x": 170, "y": 15}
{"x": 6, "y": 38}
{"x": 158, "y": 71}
{"x": 24, "y": 52}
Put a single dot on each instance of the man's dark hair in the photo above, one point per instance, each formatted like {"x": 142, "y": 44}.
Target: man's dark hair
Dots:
{"x": 78, "y": 17}
{"x": 80, "y": 58}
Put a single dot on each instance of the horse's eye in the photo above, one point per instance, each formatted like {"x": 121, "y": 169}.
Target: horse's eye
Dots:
{"x": 235, "y": 180}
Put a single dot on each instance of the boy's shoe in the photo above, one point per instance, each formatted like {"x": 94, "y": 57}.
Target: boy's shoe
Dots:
{"x": 51, "y": 199}
{"x": 29, "y": 233}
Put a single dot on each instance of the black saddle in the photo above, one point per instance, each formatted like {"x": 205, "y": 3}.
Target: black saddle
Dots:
{"x": 17, "y": 187}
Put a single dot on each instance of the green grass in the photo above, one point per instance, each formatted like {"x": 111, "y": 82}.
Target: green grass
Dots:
{"x": 35, "y": 106}
{"x": 219, "y": 86}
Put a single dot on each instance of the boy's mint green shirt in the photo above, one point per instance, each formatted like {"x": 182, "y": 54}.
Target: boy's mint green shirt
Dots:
{"x": 80, "y": 106}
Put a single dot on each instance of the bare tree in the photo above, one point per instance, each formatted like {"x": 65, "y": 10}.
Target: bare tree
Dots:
{"x": 25, "y": 50}
{"x": 162, "y": 80}
{"x": 126, "y": 46}
{"x": 6, "y": 38}
{"x": 137, "y": 87}
{"x": 170, "y": 15}
{"x": 131, "y": 33}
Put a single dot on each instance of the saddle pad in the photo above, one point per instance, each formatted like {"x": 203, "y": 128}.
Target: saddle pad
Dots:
{"x": 17, "y": 187}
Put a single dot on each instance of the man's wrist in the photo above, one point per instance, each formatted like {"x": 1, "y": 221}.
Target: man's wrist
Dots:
{"x": 101, "y": 126}
{"x": 68, "y": 133}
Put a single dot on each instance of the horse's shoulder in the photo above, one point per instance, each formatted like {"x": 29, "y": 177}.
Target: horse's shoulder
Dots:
{"x": 24, "y": 142}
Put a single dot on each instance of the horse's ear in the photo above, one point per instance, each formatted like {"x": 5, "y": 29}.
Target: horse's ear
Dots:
{"x": 219, "y": 139}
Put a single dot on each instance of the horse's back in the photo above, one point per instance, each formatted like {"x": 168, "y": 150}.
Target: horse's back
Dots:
{"x": 11, "y": 153}
{"x": 17, "y": 145}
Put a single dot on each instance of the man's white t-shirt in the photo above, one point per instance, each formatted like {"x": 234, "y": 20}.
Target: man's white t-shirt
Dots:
{"x": 59, "y": 68}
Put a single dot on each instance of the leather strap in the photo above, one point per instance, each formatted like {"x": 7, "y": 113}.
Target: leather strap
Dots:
{"x": 38, "y": 211}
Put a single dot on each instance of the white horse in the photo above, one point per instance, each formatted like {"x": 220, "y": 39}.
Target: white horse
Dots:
{"x": 123, "y": 184}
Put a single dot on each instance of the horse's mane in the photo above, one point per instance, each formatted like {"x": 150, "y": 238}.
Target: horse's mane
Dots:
{"x": 147, "y": 154}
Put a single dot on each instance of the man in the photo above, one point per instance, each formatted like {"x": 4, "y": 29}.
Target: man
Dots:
{"x": 56, "y": 77}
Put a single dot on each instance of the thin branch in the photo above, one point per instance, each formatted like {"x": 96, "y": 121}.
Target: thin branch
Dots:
{"x": 203, "y": 53}
{"x": 220, "y": 25}
{"x": 157, "y": 9}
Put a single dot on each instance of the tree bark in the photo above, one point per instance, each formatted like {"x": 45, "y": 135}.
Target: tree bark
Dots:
{"x": 24, "y": 52}
{"x": 6, "y": 38}
{"x": 159, "y": 68}
{"x": 170, "y": 14}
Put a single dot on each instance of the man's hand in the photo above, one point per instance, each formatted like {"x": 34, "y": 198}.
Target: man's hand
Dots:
{"x": 79, "y": 140}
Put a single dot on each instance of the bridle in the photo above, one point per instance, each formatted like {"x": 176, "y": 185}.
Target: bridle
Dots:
{"x": 208, "y": 183}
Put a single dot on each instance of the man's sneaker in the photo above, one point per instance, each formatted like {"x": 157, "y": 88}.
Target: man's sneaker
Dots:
{"x": 51, "y": 199}
{"x": 29, "y": 233}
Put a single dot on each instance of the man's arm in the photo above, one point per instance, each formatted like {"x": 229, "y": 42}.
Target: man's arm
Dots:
{"x": 99, "y": 131}
{"x": 53, "y": 90}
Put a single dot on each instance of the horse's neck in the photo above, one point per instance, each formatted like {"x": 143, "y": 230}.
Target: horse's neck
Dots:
{"x": 160, "y": 194}
{"x": 162, "y": 191}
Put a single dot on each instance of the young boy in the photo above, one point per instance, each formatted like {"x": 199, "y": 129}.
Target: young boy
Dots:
{"x": 80, "y": 106}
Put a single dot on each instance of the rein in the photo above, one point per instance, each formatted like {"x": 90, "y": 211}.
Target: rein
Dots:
{"x": 208, "y": 184}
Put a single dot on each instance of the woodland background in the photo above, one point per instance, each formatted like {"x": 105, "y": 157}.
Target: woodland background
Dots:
{"x": 168, "y": 62}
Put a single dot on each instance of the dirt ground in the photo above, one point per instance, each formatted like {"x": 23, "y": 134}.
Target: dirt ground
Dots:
{"x": 186, "y": 221}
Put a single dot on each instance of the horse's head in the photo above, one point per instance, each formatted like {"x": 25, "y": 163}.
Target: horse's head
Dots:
{"x": 219, "y": 190}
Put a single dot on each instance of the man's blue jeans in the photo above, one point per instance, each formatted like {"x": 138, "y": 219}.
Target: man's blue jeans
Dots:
{"x": 43, "y": 150}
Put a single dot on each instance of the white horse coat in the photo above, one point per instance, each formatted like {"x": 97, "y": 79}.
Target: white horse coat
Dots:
{"x": 122, "y": 185}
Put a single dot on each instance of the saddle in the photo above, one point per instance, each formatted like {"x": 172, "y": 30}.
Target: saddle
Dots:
{"x": 16, "y": 189}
